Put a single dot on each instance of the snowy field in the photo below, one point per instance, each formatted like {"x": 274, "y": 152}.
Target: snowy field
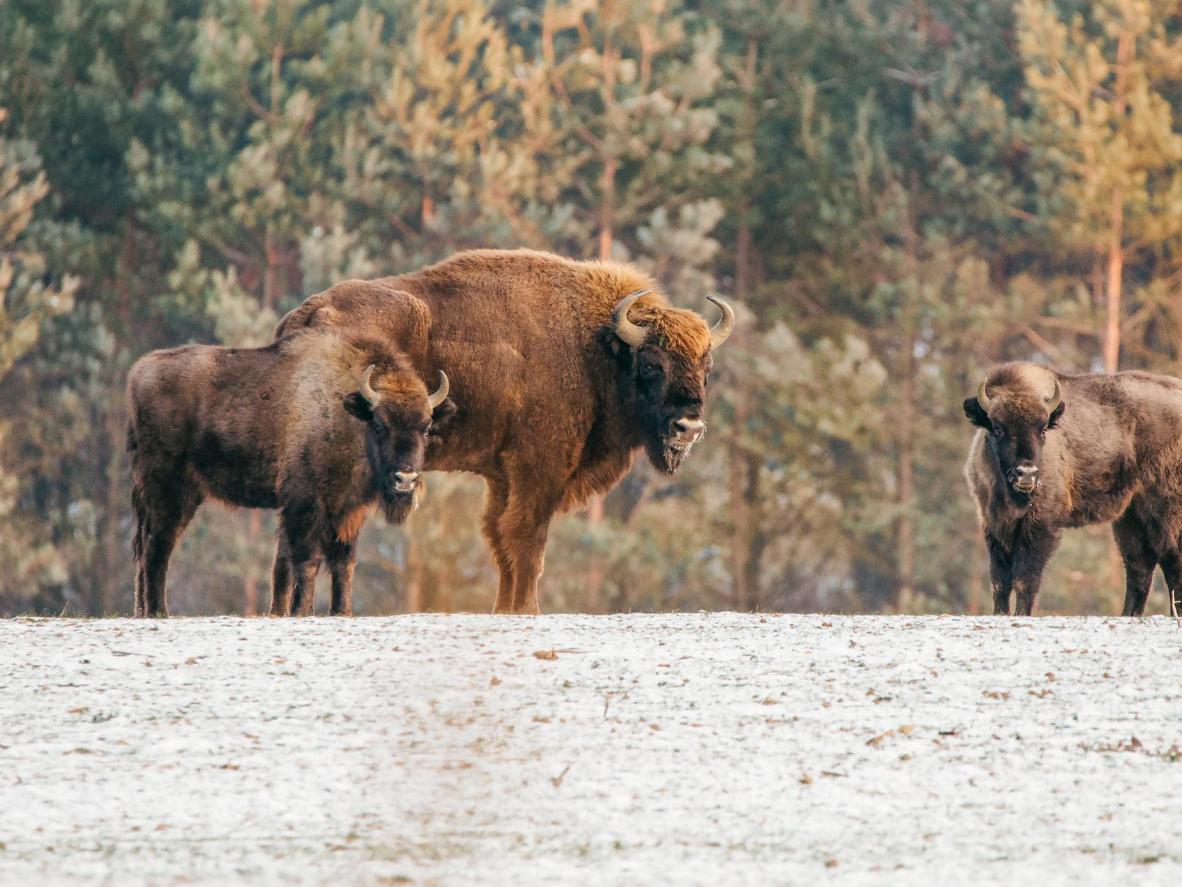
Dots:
{"x": 687, "y": 749}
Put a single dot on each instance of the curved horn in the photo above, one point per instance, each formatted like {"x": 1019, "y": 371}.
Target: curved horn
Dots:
{"x": 366, "y": 389}
{"x": 440, "y": 393}
{"x": 982, "y": 395}
{"x": 722, "y": 330}
{"x": 628, "y": 331}
{"x": 1055, "y": 399}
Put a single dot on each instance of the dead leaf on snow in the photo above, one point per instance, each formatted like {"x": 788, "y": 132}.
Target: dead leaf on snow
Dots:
{"x": 556, "y": 781}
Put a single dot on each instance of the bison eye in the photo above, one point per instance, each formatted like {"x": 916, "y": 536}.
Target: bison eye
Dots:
{"x": 999, "y": 431}
{"x": 650, "y": 371}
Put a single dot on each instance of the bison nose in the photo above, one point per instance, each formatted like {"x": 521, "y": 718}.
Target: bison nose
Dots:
{"x": 405, "y": 481}
{"x": 690, "y": 427}
{"x": 1025, "y": 478}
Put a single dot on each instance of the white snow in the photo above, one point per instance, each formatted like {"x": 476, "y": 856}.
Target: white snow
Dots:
{"x": 711, "y": 749}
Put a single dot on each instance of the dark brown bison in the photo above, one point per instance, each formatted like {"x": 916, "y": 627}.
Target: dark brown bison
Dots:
{"x": 321, "y": 426}
{"x": 563, "y": 371}
{"x": 1058, "y": 451}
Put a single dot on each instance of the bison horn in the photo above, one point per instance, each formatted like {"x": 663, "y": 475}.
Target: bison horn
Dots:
{"x": 1055, "y": 399}
{"x": 440, "y": 393}
{"x": 366, "y": 389}
{"x": 722, "y": 330}
{"x": 629, "y": 332}
{"x": 983, "y": 395}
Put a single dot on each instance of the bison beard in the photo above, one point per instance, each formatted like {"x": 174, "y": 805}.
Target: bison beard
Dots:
{"x": 563, "y": 370}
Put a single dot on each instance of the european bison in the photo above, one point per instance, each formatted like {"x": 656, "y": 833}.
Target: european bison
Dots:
{"x": 563, "y": 369}
{"x": 321, "y": 426}
{"x": 1057, "y": 450}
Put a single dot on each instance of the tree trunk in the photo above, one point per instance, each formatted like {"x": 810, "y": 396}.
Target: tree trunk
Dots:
{"x": 595, "y": 571}
{"x": 110, "y": 560}
{"x": 607, "y": 210}
{"x": 905, "y": 527}
{"x": 1116, "y": 254}
{"x": 1112, "y": 289}
{"x": 414, "y": 583}
{"x": 250, "y": 588}
{"x": 271, "y": 272}
{"x": 747, "y": 542}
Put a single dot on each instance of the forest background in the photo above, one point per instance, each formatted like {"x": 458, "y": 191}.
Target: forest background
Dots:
{"x": 894, "y": 195}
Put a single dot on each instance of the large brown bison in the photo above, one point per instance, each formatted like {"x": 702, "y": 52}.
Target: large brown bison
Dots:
{"x": 1056, "y": 451}
{"x": 563, "y": 371}
{"x": 321, "y": 426}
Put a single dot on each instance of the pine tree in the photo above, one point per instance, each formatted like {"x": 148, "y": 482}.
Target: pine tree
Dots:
{"x": 1104, "y": 138}
{"x": 26, "y": 301}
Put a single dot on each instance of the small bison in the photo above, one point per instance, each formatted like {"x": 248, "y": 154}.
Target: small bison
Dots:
{"x": 321, "y": 426}
{"x": 1056, "y": 451}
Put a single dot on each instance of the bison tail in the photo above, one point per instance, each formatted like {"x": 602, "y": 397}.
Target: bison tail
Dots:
{"x": 139, "y": 512}
{"x": 140, "y": 529}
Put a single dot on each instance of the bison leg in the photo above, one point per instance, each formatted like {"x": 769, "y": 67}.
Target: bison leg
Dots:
{"x": 168, "y": 515}
{"x": 1140, "y": 561}
{"x": 1029, "y": 560}
{"x": 1171, "y": 566}
{"x": 524, "y": 527}
{"x": 303, "y": 594}
{"x": 299, "y": 522}
{"x": 281, "y": 579}
{"x": 139, "y": 539}
{"x": 495, "y": 500}
{"x": 1000, "y": 576}
{"x": 341, "y": 557}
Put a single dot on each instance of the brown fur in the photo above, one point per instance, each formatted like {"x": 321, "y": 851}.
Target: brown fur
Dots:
{"x": 277, "y": 427}
{"x": 552, "y": 409}
{"x": 1113, "y": 455}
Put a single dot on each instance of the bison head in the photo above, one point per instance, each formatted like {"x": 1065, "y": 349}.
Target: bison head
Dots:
{"x": 663, "y": 370}
{"x": 1017, "y": 405}
{"x": 397, "y": 421}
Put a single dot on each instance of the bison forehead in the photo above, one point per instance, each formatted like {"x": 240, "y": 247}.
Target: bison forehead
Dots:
{"x": 1020, "y": 391}
{"x": 680, "y": 332}
{"x": 1017, "y": 414}
{"x": 405, "y": 389}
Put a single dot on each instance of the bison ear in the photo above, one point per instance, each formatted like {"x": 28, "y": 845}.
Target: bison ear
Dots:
{"x": 442, "y": 414}
{"x": 356, "y": 405}
{"x": 977, "y": 414}
{"x": 612, "y": 343}
{"x": 1056, "y": 415}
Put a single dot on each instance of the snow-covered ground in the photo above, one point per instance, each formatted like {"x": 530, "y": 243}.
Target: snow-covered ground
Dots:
{"x": 711, "y": 749}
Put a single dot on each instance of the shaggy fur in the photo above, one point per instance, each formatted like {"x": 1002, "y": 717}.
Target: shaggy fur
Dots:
{"x": 1112, "y": 452}
{"x": 554, "y": 405}
{"x": 278, "y": 427}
